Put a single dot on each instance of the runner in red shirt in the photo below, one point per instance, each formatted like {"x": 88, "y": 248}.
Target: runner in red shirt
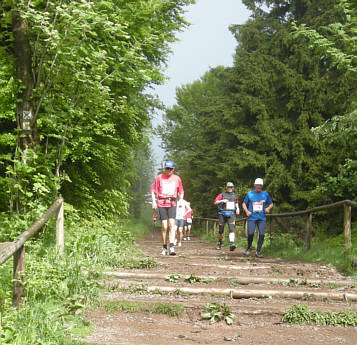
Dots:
{"x": 166, "y": 189}
{"x": 188, "y": 223}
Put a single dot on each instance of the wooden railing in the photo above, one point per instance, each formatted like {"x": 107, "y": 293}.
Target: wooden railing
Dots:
{"x": 347, "y": 205}
{"x": 17, "y": 248}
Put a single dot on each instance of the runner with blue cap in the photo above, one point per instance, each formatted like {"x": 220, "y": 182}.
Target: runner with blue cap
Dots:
{"x": 166, "y": 189}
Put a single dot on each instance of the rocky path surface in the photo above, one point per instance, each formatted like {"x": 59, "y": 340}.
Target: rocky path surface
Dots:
{"x": 225, "y": 276}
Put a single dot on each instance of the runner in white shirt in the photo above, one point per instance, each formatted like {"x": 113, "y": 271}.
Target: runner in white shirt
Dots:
{"x": 182, "y": 209}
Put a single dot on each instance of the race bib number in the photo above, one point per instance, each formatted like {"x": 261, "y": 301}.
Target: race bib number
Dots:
{"x": 258, "y": 206}
{"x": 230, "y": 205}
{"x": 189, "y": 220}
{"x": 168, "y": 188}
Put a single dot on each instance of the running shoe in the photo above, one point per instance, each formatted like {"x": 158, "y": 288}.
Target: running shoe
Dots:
{"x": 188, "y": 239}
{"x": 258, "y": 255}
{"x": 218, "y": 246}
{"x": 179, "y": 244}
{"x": 184, "y": 238}
{"x": 172, "y": 251}
{"x": 164, "y": 251}
{"x": 232, "y": 247}
{"x": 247, "y": 252}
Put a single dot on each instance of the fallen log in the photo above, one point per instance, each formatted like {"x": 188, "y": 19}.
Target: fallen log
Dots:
{"x": 238, "y": 279}
{"x": 259, "y": 293}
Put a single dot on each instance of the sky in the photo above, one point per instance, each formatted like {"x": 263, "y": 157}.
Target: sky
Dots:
{"x": 206, "y": 43}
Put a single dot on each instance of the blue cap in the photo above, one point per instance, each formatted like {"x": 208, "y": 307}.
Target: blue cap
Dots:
{"x": 169, "y": 164}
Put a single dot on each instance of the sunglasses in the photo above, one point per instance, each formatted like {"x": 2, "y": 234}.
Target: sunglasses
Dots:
{"x": 169, "y": 168}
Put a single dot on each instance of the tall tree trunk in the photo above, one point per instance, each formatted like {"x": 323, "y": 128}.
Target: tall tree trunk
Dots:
{"x": 28, "y": 135}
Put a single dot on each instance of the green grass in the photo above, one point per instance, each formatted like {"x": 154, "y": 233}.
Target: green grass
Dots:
{"x": 285, "y": 246}
{"x": 301, "y": 314}
{"x": 57, "y": 289}
{"x": 133, "y": 263}
{"x": 173, "y": 310}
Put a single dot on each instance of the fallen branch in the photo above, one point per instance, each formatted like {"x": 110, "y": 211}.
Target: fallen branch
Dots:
{"x": 238, "y": 279}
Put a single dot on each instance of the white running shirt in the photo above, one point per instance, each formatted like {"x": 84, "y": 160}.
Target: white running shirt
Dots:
{"x": 181, "y": 209}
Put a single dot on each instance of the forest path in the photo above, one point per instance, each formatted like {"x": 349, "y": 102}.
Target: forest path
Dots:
{"x": 258, "y": 320}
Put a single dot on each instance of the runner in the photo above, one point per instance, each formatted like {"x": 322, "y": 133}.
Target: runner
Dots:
{"x": 164, "y": 192}
{"x": 254, "y": 205}
{"x": 228, "y": 208}
{"x": 182, "y": 209}
{"x": 188, "y": 224}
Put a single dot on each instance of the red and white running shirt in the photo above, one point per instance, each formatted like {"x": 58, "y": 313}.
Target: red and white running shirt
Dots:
{"x": 166, "y": 188}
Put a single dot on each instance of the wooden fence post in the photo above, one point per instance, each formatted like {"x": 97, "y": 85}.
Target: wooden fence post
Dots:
{"x": 347, "y": 229}
{"x": 206, "y": 227}
{"x": 19, "y": 276}
{"x": 215, "y": 228}
{"x": 271, "y": 229}
{"x": 308, "y": 231}
{"x": 60, "y": 228}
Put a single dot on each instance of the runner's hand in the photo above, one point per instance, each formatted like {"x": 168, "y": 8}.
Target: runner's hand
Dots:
{"x": 267, "y": 210}
{"x": 224, "y": 200}
{"x": 237, "y": 212}
{"x": 248, "y": 213}
{"x": 154, "y": 205}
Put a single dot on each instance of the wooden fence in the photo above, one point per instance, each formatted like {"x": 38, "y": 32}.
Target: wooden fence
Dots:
{"x": 17, "y": 248}
{"x": 346, "y": 204}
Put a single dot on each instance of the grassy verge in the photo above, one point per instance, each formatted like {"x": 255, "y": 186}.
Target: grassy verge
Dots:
{"x": 57, "y": 289}
{"x": 285, "y": 246}
{"x": 173, "y": 310}
{"x": 301, "y": 314}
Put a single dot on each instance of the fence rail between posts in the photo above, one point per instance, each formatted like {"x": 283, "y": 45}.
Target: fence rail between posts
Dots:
{"x": 346, "y": 204}
{"x": 207, "y": 221}
{"x": 17, "y": 247}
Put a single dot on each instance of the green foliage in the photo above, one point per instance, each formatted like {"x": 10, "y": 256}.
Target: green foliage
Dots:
{"x": 324, "y": 251}
{"x": 143, "y": 263}
{"x": 90, "y": 64}
{"x": 336, "y": 45}
{"x": 173, "y": 278}
{"x": 216, "y": 312}
{"x": 255, "y": 118}
{"x": 194, "y": 279}
{"x": 59, "y": 287}
{"x": 173, "y": 310}
{"x": 301, "y": 314}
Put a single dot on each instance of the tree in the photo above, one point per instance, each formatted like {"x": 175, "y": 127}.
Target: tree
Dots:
{"x": 256, "y": 119}
{"x": 79, "y": 68}
{"x": 341, "y": 128}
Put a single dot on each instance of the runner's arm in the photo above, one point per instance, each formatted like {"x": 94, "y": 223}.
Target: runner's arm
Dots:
{"x": 237, "y": 207}
{"x": 153, "y": 197}
{"x": 220, "y": 200}
{"x": 267, "y": 210}
{"x": 245, "y": 208}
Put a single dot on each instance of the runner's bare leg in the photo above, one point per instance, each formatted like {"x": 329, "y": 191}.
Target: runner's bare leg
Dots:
{"x": 164, "y": 231}
{"x": 180, "y": 234}
{"x": 172, "y": 230}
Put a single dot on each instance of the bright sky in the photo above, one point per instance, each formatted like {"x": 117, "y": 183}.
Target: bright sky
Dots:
{"x": 206, "y": 43}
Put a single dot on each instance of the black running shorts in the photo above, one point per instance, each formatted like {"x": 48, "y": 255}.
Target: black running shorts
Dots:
{"x": 167, "y": 213}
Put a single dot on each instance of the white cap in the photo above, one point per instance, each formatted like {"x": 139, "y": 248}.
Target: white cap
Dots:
{"x": 230, "y": 184}
{"x": 258, "y": 181}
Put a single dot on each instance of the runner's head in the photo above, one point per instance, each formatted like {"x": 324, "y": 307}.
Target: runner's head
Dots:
{"x": 229, "y": 186}
{"x": 258, "y": 184}
{"x": 169, "y": 167}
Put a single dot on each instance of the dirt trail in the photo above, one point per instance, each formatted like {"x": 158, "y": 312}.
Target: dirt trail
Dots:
{"x": 258, "y": 320}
